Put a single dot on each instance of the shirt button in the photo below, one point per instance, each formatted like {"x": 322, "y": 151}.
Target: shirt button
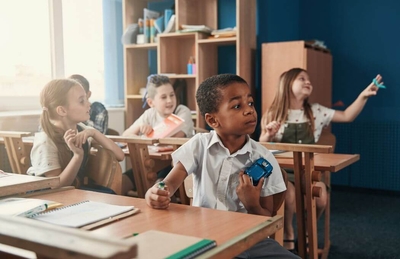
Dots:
{"x": 299, "y": 141}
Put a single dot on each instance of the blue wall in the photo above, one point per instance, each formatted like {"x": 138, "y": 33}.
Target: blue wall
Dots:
{"x": 363, "y": 36}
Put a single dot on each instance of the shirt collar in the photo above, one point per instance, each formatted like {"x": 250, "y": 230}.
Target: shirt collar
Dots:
{"x": 215, "y": 139}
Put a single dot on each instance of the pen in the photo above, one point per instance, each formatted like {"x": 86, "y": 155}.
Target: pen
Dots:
{"x": 33, "y": 211}
{"x": 161, "y": 185}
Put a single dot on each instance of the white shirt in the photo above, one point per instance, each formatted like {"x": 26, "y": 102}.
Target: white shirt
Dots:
{"x": 153, "y": 118}
{"x": 44, "y": 154}
{"x": 322, "y": 118}
{"x": 216, "y": 171}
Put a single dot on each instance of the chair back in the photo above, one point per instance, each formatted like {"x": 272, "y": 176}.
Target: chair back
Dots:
{"x": 18, "y": 153}
{"x": 104, "y": 168}
{"x": 327, "y": 138}
{"x": 188, "y": 184}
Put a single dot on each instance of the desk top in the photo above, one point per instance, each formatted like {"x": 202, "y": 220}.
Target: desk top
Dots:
{"x": 18, "y": 183}
{"x": 180, "y": 219}
{"x": 322, "y": 162}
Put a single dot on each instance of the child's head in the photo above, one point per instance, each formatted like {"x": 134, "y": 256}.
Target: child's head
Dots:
{"x": 294, "y": 84}
{"x": 84, "y": 83}
{"x": 63, "y": 99}
{"x": 227, "y": 104}
{"x": 161, "y": 94}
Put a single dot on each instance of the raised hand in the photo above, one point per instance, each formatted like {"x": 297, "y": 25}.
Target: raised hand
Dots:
{"x": 372, "y": 88}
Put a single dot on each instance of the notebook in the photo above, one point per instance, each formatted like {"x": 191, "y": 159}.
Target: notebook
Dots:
{"x": 86, "y": 214}
{"x": 22, "y": 206}
{"x": 170, "y": 246}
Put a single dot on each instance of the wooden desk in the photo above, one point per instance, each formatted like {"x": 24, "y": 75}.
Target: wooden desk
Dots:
{"x": 18, "y": 183}
{"x": 306, "y": 160}
{"x": 234, "y": 232}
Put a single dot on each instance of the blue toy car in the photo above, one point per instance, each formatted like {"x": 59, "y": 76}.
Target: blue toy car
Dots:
{"x": 259, "y": 169}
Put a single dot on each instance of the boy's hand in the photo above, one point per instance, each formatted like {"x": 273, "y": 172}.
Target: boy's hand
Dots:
{"x": 272, "y": 128}
{"x": 372, "y": 89}
{"x": 158, "y": 199}
{"x": 145, "y": 129}
{"x": 248, "y": 194}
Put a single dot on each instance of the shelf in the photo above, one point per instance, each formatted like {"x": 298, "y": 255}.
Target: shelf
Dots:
{"x": 134, "y": 96}
{"x": 219, "y": 41}
{"x": 142, "y": 46}
{"x": 178, "y": 34}
{"x": 177, "y": 76}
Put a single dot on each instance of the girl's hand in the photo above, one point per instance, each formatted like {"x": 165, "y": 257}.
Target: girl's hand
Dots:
{"x": 248, "y": 194}
{"x": 372, "y": 89}
{"x": 272, "y": 128}
{"x": 82, "y": 136}
{"x": 145, "y": 129}
{"x": 69, "y": 137}
{"x": 157, "y": 198}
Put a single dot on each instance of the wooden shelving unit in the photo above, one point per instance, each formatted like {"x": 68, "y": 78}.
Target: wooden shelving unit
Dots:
{"x": 174, "y": 49}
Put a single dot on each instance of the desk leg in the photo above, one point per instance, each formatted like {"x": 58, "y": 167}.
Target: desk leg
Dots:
{"x": 300, "y": 212}
{"x": 310, "y": 206}
{"x": 327, "y": 240}
{"x": 135, "y": 157}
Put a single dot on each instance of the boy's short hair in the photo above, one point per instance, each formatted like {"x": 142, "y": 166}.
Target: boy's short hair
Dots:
{"x": 153, "y": 82}
{"x": 208, "y": 95}
{"x": 82, "y": 81}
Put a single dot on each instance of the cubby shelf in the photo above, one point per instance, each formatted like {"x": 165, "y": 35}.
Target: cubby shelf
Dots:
{"x": 173, "y": 50}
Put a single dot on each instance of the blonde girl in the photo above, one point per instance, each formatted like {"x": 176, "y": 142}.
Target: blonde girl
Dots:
{"x": 292, "y": 119}
{"x": 62, "y": 147}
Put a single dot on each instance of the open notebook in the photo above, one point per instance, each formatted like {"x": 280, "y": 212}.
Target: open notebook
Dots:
{"x": 85, "y": 214}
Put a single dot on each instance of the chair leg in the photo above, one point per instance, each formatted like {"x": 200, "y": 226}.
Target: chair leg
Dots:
{"x": 327, "y": 241}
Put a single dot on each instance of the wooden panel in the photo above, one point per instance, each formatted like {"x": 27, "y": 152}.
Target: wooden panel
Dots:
{"x": 277, "y": 58}
{"x": 246, "y": 40}
{"x": 196, "y": 13}
{"x": 319, "y": 67}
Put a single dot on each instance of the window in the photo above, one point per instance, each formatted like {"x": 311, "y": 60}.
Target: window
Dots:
{"x": 32, "y": 54}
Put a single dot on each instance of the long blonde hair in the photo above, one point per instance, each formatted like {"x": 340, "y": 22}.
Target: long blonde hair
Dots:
{"x": 280, "y": 106}
{"x": 53, "y": 95}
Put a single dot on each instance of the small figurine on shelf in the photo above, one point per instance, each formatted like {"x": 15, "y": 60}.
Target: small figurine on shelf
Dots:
{"x": 191, "y": 66}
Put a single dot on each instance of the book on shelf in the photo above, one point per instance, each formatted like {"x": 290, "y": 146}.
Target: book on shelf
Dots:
{"x": 170, "y": 245}
{"x": 26, "y": 207}
{"x": 195, "y": 28}
{"x": 86, "y": 214}
{"x": 168, "y": 127}
{"x": 170, "y": 26}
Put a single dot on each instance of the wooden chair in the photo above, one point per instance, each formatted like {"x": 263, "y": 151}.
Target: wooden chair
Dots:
{"x": 104, "y": 168}
{"x": 18, "y": 153}
{"x": 327, "y": 138}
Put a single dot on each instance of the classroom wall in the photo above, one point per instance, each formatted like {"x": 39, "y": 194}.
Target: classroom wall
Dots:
{"x": 363, "y": 37}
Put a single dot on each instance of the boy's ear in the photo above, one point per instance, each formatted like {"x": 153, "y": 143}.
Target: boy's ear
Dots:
{"x": 61, "y": 111}
{"x": 211, "y": 120}
{"x": 150, "y": 102}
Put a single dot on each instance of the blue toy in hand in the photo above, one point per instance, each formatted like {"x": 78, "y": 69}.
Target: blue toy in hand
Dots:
{"x": 259, "y": 169}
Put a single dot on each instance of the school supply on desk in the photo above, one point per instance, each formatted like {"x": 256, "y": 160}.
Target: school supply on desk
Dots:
{"x": 169, "y": 127}
{"x": 86, "y": 214}
{"x": 25, "y": 207}
{"x": 158, "y": 148}
{"x": 170, "y": 246}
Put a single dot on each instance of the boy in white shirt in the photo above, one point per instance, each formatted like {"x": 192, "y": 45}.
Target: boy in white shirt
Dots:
{"x": 217, "y": 160}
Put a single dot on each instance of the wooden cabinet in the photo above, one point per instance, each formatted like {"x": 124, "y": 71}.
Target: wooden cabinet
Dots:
{"x": 174, "y": 50}
{"x": 281, "y": 56}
